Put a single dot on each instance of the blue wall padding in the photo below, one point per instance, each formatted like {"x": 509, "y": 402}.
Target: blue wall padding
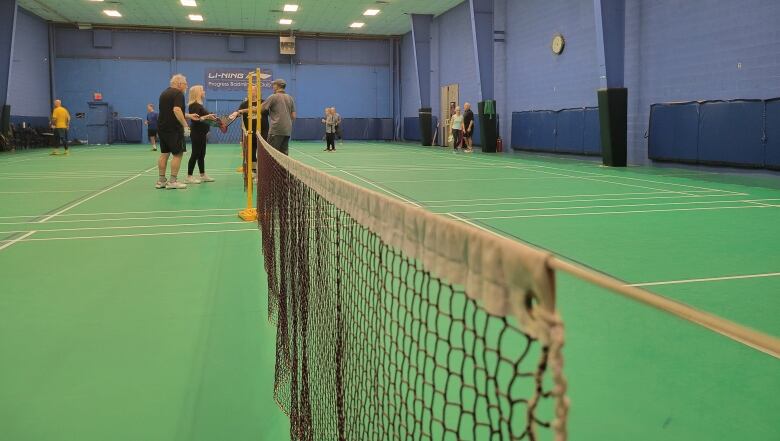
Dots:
{"x": 565, "y": 131}
{"x": 732, "y": 132}
{"x": 591, "y": 139}
{"x": 307, "y": 129}
{"x": 571, "y": 127}
{"x": 773, "y": 133}
{"x": 521, "y": 130}
{"x": 674, "y": 132}
{"x": 128, "y": 130}
{"x": 543, "y": 132}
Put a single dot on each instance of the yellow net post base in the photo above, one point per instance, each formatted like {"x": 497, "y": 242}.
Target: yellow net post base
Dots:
{"x": 248, "y": 214}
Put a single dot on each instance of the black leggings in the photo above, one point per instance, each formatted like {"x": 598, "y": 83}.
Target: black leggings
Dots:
{"x": 330, "y": 139}
{"x": 198, "y": 153}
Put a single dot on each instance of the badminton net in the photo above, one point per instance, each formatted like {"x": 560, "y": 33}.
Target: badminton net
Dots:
{"x": 396, "y": 323}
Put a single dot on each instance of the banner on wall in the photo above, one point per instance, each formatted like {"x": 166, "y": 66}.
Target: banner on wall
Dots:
{"x": 234, "y": 79}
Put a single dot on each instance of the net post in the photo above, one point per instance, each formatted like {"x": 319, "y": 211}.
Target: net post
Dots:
{"x": 249, "y": 214}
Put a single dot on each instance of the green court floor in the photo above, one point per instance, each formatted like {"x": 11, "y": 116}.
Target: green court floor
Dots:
{"x": 129, "y": 313}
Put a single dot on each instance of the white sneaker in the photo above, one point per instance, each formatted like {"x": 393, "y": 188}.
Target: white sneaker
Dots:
{"x": 175, "y": 185}
{"x": 160, "y": 183}
{"x": 206, "y": 178}
{"x": 192, "y": 180}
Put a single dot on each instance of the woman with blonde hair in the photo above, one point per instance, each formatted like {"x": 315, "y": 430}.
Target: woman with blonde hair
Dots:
{"x": 198, "y": 135}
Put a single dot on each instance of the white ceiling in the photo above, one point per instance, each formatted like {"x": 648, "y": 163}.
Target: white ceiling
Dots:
{"x": 316, "y": 16}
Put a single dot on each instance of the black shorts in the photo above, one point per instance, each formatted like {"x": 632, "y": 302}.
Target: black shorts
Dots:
{"x": 151, "y": 132}
{"x": 62, "y": 135}
{"x": 280, "y": 143}
{"x": 171, "y": 142}
{"x": 468, "y": 133}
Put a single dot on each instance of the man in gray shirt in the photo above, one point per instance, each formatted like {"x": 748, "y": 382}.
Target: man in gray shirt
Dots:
{"x": 281, "y": 113}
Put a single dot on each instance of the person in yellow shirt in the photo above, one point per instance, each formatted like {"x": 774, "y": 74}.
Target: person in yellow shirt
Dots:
{"x": 60, "y": 122}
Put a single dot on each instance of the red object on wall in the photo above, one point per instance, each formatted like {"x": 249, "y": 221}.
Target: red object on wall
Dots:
{"x": 97, "y": 96}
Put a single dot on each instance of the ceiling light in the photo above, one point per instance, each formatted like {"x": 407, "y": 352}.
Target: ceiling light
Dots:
{"x": 285, "y": 21}
{"x": 190, "y": 3}
{"x": 196, "y": 17}
{"x": 357, "y": 24}
{"x": 112, "y": 12}
{"x": 96, "y": 0}
{"x": 290, "y": 8}
{"x": 371, "y": 12}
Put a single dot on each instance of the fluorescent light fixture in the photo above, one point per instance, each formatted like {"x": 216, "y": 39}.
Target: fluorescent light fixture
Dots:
{"x": 189, "y": 3}
{"x": 196, "y": 17}
{"x": 112, "y": 12}
{"x": 285, "y": 21}
{"x": 371, "y": 12}
{"x": 96, "y": 1}
{"x": 357, "y": 24}
{"x": 290, "y": 8}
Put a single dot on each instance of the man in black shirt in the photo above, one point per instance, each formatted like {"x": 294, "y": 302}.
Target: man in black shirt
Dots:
{"x": 171, "y": 129}
{"x": 468, "y": 126}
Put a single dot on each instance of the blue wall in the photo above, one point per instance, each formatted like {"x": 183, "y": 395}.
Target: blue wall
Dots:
{"x": 28, "y": 92}
{"x": 355, "y": 76}
{"x": 684, "y": 51}
{"x": 537, "y": 79}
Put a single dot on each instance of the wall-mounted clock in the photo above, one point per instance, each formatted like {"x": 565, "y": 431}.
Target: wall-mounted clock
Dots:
{"x": 558, "y": 44}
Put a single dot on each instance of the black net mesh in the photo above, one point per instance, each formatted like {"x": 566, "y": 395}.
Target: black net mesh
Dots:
{"x": 371, "y": 346}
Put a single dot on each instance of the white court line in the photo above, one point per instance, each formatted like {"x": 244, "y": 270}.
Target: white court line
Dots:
{"x": 127, "y": 212}
{"x": 8, "y": 243}
{"x": 364, "y": 180}
{"x": 618, "y": 212}
{"x": 635, "y": 179}
{"x": 566, "y": 201}
{"x": 586, "y": 178}
{"x": 68, "y": 221}
{"x": 464, "y": 220}
{"x": 127, "y": 227}
{"x": 177, "y": 233}
{"x": 76, "y": 204}
{"x": 46, "y": 191}
{"x": 527, "y": 178}
{"x": 603, "y": 206}
{"x": 563, "y": 196}
{"x": 48, "y": 177}
{"x": 490, "y": 161}
{"x": 759, "y": 202}
{"x": 708, "y": 279}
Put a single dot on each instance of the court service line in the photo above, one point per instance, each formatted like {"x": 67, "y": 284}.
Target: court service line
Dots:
{"x": 492, "y": 161}
{"x": 127, "y": 212}
{"x": 603, "y": 213}
{"x": 587, "y": 207}
{"x": 18, "y": 239}
{"x": 175, "y": 233}
{"x": 127, "y": 227}
{"x": 367, "y": 181}
{"x": 586, "y": 178}
{"x": 492, "y": 204}
{"x": 46, "y": 191}
{"x": 567, "y": 196}
{"x": 707, "y": 279}
{"x": 77, "y": 203}
{"x": 68, "y": 221}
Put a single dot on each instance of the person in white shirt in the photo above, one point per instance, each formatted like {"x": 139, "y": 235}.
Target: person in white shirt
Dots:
{"x": 456, "y": 122}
